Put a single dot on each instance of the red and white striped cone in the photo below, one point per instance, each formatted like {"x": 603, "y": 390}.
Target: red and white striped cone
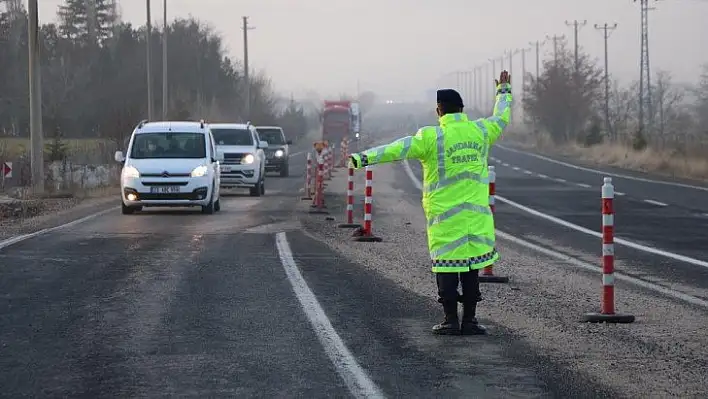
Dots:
{"x": 343, "y": 153}
{"x": 487, "y": 275}
{"x": 318, "y": 204}
{"x": 607, "y": 311}
{"x": 313, "y": 178}
{"x": 365, "y": 234}
{"x": 308, "y": 178}
{"x": 326, "y": 154}
{"x": 350, "y": 202}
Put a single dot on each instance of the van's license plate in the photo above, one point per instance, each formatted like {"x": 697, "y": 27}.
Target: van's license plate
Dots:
{"x": 164, "y": 189}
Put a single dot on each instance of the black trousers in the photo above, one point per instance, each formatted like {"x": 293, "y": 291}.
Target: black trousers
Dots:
{"x": 449, "y": 282}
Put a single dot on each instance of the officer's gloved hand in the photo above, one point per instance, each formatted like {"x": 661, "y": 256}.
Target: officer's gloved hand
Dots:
{"x": 356, "y": 161}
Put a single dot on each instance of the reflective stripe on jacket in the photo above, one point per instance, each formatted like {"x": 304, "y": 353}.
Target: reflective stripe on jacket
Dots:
{"x": 455, "y": 183}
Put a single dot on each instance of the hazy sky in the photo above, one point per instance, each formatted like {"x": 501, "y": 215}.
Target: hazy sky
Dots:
{"x": 400, "y": 48}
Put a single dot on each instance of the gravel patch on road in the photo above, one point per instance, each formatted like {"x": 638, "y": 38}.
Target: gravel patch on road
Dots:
{"x": 663, "y": 354}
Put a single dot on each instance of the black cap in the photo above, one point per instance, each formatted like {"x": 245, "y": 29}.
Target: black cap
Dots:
{"x": 451, "y": 97}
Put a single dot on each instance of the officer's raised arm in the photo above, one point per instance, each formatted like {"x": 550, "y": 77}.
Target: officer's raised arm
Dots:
{"x": 496, "y": 123}
{"x": 410, "y": 147}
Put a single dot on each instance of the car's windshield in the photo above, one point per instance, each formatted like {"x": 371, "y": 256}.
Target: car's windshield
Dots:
{"x": 271, "y": 136}
{"x": 232, "y": 136}
{"x": 168, "y": 145}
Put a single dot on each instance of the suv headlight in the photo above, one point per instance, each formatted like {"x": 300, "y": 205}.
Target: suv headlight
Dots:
{"x": 279, "y": 153}
{"x": 199, "y": 171}
{"x": 248, "y": 159}
{"x": 130, "y": 172}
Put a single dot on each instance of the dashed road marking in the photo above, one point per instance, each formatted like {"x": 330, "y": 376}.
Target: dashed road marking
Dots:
{"x": 600, "y": 172}
{"x": 648, "y": 201}
{"x": 583, "y": 185}
{"x": 561, "y": 180}
{"x": 619, "y": 193}
{"x": 516, "y": 168}
{"x": 543, "y": 176}
{"x": 528, "y": 172}
{"x": 356, "y": 378}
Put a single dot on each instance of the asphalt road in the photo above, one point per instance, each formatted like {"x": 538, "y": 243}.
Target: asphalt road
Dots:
{"x": 176, "y": 303}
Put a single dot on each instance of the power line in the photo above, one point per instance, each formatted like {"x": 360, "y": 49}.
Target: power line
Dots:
{"x": 555, "y": 39}
{"x": 606, "y": 32}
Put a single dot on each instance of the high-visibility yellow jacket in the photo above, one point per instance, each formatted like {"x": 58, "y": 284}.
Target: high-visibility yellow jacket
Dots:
{"x": 454, "y": 157}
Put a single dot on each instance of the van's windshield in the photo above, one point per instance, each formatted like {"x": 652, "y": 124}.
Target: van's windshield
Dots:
{"x": 168, "y": 145}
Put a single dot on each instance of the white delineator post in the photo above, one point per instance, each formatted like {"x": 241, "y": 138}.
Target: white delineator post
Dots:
{"x": 487, "y": 275}
{"x": 607, "y": 309}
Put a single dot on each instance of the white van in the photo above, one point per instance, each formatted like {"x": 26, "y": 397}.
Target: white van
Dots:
{"x": 170, "y": 164}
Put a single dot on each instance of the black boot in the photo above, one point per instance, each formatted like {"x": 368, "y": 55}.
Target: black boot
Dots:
{"x": 470, "y": 326}
{"x": 451, "y": 325}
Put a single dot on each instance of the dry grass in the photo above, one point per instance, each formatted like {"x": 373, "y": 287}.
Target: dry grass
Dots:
{"x": 15, "y": 147}
{"x": 669, "y": 162}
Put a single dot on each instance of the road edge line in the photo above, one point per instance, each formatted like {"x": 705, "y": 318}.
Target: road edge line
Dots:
{"x": 18, "y": 239}
{"x": 355, "y": 377}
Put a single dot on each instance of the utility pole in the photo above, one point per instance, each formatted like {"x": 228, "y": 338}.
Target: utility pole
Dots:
{"x": 537, "y": 44}
{"x": 165, "y": 100}
{"x": 148, "y": 30}
{"x": 511, "y": 54}
{"x": 645, "y": 106}
{"x": 35, "y": 94}
{"x": 246, "y": 68}
{"x": 555, "y": 39}
{"x": 607, "y": 31}
{"x": 576, "y": 27}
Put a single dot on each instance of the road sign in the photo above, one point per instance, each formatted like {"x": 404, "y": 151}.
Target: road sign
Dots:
{"x": 6, "y": 170}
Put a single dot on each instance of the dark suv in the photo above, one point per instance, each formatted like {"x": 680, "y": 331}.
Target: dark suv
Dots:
{"x": 278, "y": 151}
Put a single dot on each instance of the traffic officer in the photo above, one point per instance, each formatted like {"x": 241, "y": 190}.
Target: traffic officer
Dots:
{"x": 454, "y": 158}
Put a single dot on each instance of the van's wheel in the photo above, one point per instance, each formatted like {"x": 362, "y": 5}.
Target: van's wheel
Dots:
{"x": 263, "y": 187}
{"x": 129, "y": 210}
{"x": 209, "y": 208}
{"x": 285, "y": 171}
{"x": 258, "y": 189}
{"x": 217, "y": 205}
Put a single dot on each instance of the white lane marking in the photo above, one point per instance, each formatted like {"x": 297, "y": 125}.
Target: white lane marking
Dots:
{"x": 583, "y": 185}
{"x": 297, "y": 153}
{"x": 584, "y": 265}
{"x": 14, "y": 240}
{"x": 561, "y": 180}
{"x": 516, "y": 168}
{"x": 599, "y": 172}
{"x": 528, "y": 172}
{"x": 505, "y": 164}
{"x": 356, "y": 378}
{"x": 619, "y": 276}
{"x": 644, "y": 248}
{"x": 619, "y": 193}
{"x": 542, "y": 176}
{"x": 648, "y": 201}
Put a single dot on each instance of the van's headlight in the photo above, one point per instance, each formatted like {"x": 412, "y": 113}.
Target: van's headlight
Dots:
{"x": 279, "y": 153}
{"x": 199, "y": 171}
{"x": 129, "y": 172}
{"x": 248, "y": 159}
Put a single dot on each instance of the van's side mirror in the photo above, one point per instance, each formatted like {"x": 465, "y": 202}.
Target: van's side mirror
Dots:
{"x": 263, "y": 145}
{"x": 119, "y": 157}
{"x": 219, "y": 156}
{"x": 289, "y": 142}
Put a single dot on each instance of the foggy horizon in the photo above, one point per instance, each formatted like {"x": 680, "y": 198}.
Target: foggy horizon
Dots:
{"x": 401, "y": 55}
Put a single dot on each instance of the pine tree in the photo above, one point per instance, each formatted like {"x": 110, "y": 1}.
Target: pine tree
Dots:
{"x": 90, "y": 21}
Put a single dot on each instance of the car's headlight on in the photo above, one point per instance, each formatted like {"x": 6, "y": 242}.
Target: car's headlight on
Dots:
{"x": 130, "y": 172}
{"x": 279, "y": 153}
{"x": 248, "y": 159}
{"x": 199, "y": 171}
